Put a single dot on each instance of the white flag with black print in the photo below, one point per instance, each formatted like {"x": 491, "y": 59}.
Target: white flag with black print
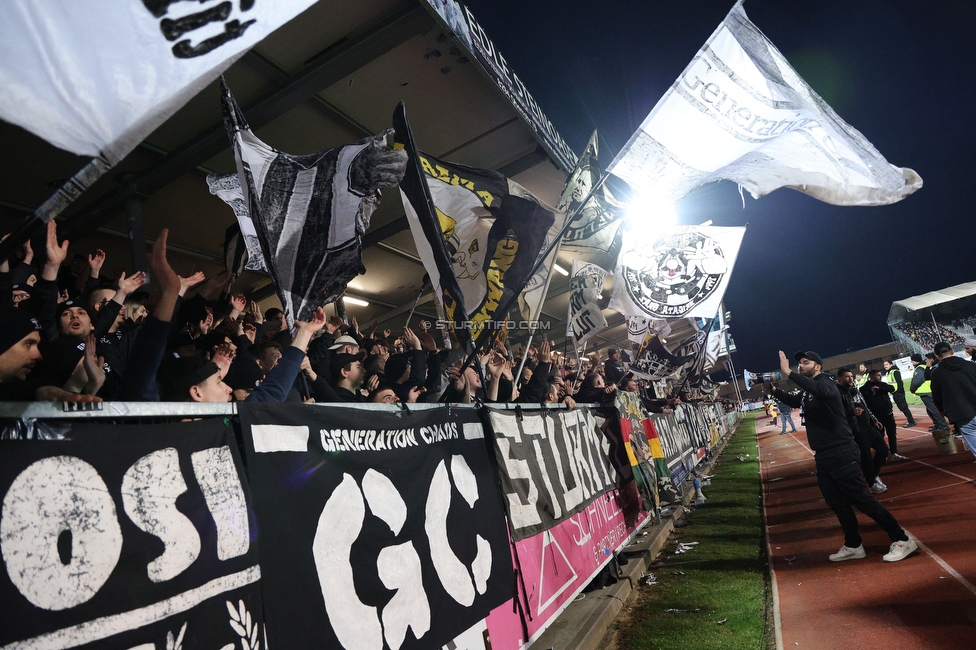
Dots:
{"x": 310, "y": 212}
{"x": 227, "y": 187}
{"x": 680, "y": 272}
{"x": 740, "y": 112}
{"x": 639, "y": 328}
{"x": 95, "y": 78}
{"x": 585, "y": 318}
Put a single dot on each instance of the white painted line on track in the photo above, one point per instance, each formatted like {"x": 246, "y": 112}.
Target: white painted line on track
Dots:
{"x": 945, "y": 565}
{"x": 910, "y": 494}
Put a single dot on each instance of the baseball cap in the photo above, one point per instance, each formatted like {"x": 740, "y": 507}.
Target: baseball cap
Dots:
{"x": 941, "y": 348}
{"x": 812, "y": 356}
{"x": 345, "y": 339}
{"x": 15, "y": 324}
{"x": 341, "y": 360}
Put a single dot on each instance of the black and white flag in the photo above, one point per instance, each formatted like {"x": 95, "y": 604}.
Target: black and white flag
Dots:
{"x": 310, "y": 212}
{"x": 681, "y": 272}
{"x": 97, "y": 77}
{"x": 596, "y": 226}
{"x": 585, "y": 318}
{"x": 740, "y": 112}
{"x": 227, "y": 187}
{"x": 656, "y": 362}
{"x": 379, "y": 532}
{"x": 124, "y": 537}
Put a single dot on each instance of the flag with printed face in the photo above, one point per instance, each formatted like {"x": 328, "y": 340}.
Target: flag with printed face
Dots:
{"x": 639, "y": 328}
{"x": 740, "y": 112}
{"x": 95, "y": 78}
{"x": 585, "y": 318}
{"x": 477, "y": 232}
{"x": 598, "y": 221}
{"x": 681, "y": 272}
{"x": 310, "y": 212}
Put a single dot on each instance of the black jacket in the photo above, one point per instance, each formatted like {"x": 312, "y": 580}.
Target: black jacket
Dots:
{"x": 875, "y": 395}
{"x": 822, "y": 408}
{"x": 954, "y": 389}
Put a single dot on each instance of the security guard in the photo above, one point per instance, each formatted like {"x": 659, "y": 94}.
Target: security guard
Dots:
{"x": 922, "y": 387}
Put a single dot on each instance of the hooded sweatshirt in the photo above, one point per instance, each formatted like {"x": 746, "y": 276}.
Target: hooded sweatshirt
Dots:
{"x": 954, "y": 389}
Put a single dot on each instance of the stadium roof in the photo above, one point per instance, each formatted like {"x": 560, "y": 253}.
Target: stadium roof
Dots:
{"x": 900, "y": 308}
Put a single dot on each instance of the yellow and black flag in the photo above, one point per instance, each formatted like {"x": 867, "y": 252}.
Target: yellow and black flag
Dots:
{"x": 478, "y": 233}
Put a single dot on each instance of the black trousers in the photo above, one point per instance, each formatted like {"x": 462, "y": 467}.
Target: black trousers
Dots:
{"x": 869, "y": 439}
{"x": 843, "y": 489}
{"x": 888, "y": 420}
{"x": 903, "y": 406}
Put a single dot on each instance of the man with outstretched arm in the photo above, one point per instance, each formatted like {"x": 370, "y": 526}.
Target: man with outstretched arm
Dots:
{"x": 838, "y": 458}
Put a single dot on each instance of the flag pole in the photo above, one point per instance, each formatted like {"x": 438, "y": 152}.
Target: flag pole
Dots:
{"x": 698, "y": 354}
{"x": 528, "y": 344}
{"x": 55, "y": 205}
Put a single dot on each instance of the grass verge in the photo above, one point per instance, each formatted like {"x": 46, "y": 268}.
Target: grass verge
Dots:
{"x": 719, "y": 584}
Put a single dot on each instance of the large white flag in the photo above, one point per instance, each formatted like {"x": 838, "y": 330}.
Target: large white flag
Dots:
{"x": 681, "y": 272}
{"x": 95, "y": 78}
{"x": 740, "y": 112}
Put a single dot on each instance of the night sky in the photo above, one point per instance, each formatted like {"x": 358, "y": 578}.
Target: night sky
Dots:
{"x": 809, "y": 275}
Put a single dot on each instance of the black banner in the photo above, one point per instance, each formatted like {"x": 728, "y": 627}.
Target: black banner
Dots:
{"x": 128, "y": 537}
{"x": 378, "y": 529}
{"x": 551, "y": 466}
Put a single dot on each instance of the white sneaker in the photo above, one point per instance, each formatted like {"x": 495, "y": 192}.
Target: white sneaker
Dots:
{"x": 877, "y": 487}
{"x": 848, "y": 553}
{"x": 900, "y": 550}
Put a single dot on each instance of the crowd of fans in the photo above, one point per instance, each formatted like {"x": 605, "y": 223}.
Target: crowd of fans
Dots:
{"x": 927, "y": 333}
{"x": 70, "y": 334}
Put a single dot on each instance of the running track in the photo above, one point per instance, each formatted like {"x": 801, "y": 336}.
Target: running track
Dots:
{"x": 927, "y": 601}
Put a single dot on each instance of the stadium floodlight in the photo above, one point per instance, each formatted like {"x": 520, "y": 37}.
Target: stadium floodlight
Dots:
{"x": 650, "y": 214}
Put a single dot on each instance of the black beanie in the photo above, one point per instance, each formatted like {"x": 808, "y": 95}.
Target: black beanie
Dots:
{"x": 15, "y": 324}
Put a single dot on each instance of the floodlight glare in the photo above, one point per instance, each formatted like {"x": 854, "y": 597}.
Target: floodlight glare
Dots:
{"x": 651, "y": 213}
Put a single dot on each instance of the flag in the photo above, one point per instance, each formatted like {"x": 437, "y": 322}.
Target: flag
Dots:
{"x": 95, "y": 78}
{"x": 682, "y": 272}
{"x": 477, "y": 232}
{"x": 227, "y": 187}
{"x": 531, "y": 299}
{"x": 716, "y": 346}
{"x": 597, "y": 223}
{"x": 235, "y": 253}
{"x": 654, "y": 361}
{"x": 639, "y": 328}
{"x": 692, "y": 372}
{"x": 740, "y": 112}
{"x": 585, "y": 318}
{"x": 310, "y": 212}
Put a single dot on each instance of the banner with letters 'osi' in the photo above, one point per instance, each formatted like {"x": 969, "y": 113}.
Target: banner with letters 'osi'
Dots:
{"x": 128, "y": 537}
{"x": 378, "y": 529}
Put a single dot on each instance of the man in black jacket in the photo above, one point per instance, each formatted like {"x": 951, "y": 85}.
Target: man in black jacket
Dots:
{"x": 875, "y": 393}
{"x": 954, "y": 391}
{"x": 838, "y": 458}
{"x": 866, "y": 429}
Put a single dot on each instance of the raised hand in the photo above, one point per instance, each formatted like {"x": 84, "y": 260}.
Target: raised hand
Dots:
{"x": 411, "y": 340}
{"x": 372, "y": 383}
{"x": 28, "y": 252}
{"x": 131, "y": 284}
{"x": 333, "y": 324}
{"x": 255, "y": 310}
{"x": 95, "y": 262}
{"x": 206, "y": 323}
{"x": 55, "y": 253}
{"x": 545, "y": 352}
{"x": 784, "y": 364}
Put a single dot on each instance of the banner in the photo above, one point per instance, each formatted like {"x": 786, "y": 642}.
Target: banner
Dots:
{"x": 645, "y": 447}
{"x": 122, "y": 538}
{"x": 679, "y": 273}
{"x": 378, "y": 532}
{"x": 490, "y": 229}
{"x": 99, "y": 77}
{"x": 595, "y": 228}
{"x": 740, "y": 112}
{"x": 585, "y": 318}
{"x": 227, "y": 187}
{"x": 310, "y": 212}
{"x": 551, "y": 466}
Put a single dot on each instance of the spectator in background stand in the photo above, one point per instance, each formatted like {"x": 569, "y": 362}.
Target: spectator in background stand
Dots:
{"x": 922, "y": 387}
{"x": 893, "y": 378}
{"x": 954, "y": 391}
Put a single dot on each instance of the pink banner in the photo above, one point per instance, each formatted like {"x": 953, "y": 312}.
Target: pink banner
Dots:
{"x": 558, "y": 563}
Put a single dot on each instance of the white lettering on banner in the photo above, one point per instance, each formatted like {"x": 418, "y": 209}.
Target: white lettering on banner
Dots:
{"x": 54, "y": 501}
{"x": 374, "y": 440}
{"x": 149, "y": 492}
{"x": 573, "y": 441}
{"x": 59, "y": 531}
{"x": 357, "y": 625}
{"x": 217, "y": 476}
